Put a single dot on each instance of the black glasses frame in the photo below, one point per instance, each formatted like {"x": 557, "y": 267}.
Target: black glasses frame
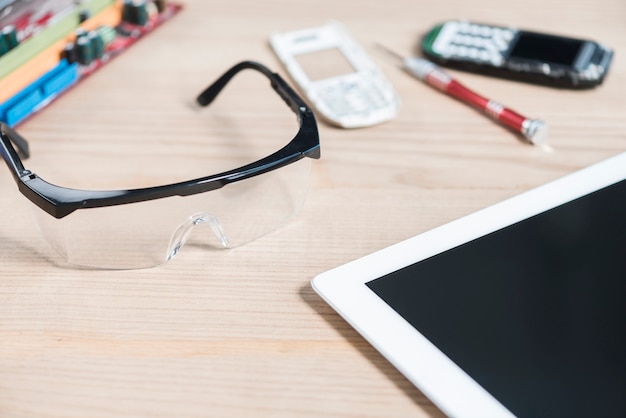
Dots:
{"x": 61, "y": 201}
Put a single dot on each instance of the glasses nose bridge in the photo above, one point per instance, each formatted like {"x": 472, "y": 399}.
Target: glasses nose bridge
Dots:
{"x": 184, "y": 230}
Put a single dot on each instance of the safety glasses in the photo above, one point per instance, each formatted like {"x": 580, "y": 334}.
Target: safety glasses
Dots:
{"x": 145, "y": 227}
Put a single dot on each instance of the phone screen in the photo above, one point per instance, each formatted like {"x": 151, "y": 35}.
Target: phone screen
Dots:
{"x": 546, "y": 48}
{"x": 325, "y": 63}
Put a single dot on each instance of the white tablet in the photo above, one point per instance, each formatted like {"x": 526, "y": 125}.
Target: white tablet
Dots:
{"x": 516, "y": 310}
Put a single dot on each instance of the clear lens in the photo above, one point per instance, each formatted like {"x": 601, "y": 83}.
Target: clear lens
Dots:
{"x": 149, "y": 233}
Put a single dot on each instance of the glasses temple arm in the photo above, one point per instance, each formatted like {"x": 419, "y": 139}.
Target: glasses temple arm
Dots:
{"x": 8, "y": 137}
{"x": 17, "y": 139}
{"x": 278, "y": 84}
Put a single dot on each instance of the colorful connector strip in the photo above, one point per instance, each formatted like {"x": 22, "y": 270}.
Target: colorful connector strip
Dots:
{"x": 66, "y": 55}
{"x": 41, "y": 92}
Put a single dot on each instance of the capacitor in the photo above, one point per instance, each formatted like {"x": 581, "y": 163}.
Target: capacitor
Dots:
{"x": 135, "y": 12}
{"x": 69, "y": 52}
{"x": 4, "y": 46}
{"x": 97, "y": 43}
{"x": 9, "y": 34}
{"x": 84, "y": 15}
{"x": 84, "y": 50}
{"x": 80, "y": 32}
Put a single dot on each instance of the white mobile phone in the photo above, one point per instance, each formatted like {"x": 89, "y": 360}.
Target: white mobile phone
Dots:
{"x": 334, "y": 72}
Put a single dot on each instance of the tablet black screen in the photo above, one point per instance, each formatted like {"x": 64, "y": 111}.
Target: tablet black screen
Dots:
{"x": 534, "y": 312}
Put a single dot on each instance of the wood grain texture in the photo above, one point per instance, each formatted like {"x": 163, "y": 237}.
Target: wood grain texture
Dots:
{"x": 240, "y": 332}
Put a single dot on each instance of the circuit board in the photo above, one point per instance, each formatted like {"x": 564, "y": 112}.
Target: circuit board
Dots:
{"x": 49, "y": 46}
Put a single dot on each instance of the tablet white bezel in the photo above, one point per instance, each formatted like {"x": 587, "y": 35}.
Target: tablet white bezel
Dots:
{"x": 438, "y": 377}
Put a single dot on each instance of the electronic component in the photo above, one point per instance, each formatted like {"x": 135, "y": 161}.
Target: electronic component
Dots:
{"x": 135, "y": 12}
{"x": 9, "y": 36}
{"x": 64, "y": 49}
{"x": 40, "y": 92}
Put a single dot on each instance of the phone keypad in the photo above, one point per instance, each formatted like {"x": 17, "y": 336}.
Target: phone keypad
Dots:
{"x": 350, "y": 97}
{"x": 482, "y": 43}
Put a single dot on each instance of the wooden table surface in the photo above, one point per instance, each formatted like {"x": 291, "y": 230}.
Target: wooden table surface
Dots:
{"x": 240, "y": 332}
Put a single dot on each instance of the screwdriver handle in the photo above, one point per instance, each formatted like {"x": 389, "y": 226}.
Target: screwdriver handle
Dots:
{"x": 534, "y": 130}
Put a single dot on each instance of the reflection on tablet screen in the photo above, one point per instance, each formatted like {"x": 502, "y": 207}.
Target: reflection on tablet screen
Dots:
{"x": 534, "y": 312}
